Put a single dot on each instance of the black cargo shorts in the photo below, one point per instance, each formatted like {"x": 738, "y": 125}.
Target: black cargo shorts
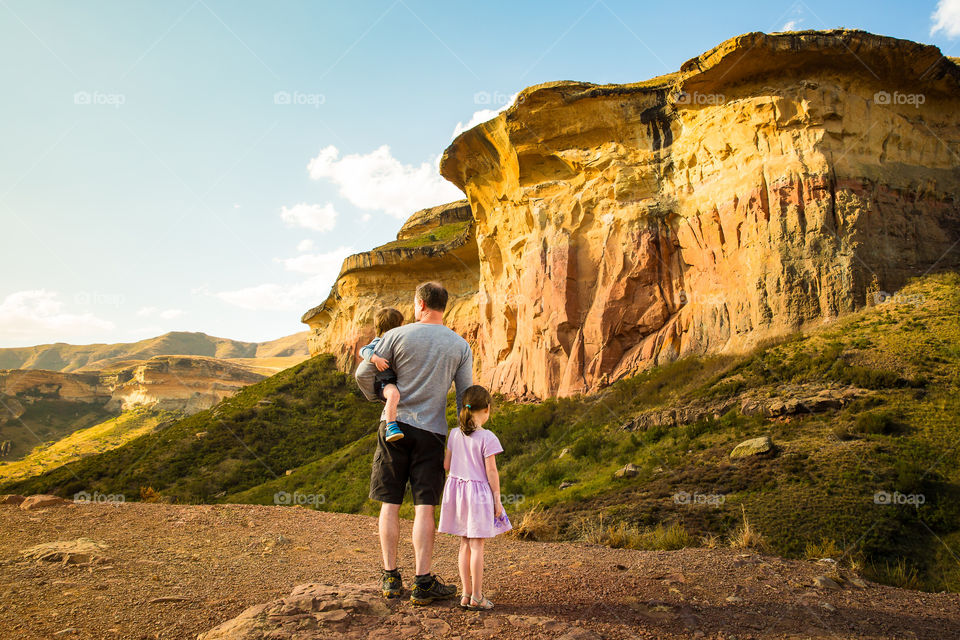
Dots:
{"x": 416, "y": 458}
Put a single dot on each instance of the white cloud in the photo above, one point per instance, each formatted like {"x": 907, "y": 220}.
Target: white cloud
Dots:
{"x": 789, "y": 26}
{"x": 322, "y": 268}
{"x": 166, "y": 314}
{"x": 377, "y": 181}
{"x": 482, "y": 116}
{"x": 318, "y": 263}
{"x": 310, "y": 216}
{"x": 478, "y": 116}
{"x": 946, "y": 18}
{"x": 305, "y": 245}
{"x": 37, "y": 315}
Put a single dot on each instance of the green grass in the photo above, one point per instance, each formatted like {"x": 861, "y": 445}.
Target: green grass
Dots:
{"x": 440, "y": 235}
{"x": 88, "y": 441}
{"x": 47, "y": 420}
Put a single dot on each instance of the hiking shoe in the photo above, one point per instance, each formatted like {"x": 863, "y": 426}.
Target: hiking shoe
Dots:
{"x": 433, "y": 589}
{"x": 392, "y": 584}
{"x": 393, "y": 432}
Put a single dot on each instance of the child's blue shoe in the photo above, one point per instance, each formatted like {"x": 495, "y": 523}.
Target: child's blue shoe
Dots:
{"x": 393, "y": 432}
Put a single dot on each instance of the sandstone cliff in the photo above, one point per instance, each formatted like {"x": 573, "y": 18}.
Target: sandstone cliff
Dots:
{"x": 762, "y": 186}
{"x": 434, "y": 244}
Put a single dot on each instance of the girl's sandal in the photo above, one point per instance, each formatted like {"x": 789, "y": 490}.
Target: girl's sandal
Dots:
{"x": 483, "y": 604}
{"x": 468, "y": 598}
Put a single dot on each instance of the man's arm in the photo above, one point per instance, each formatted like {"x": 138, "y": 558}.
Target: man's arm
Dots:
{"x": 365, "y": 373}
{"x": 367, "y": 370}
{"x": 463, "y": 377}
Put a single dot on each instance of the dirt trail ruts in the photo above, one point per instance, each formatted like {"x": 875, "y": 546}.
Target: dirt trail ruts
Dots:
{"x": 174, "y": 571}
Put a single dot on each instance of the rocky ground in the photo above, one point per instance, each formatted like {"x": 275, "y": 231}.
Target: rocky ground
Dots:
{"x": 151, "y": 571}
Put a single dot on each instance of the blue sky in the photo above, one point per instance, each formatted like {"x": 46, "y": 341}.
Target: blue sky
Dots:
{"x": 205, "y": 166}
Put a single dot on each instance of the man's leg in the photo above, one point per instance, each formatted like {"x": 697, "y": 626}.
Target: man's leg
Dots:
{"x": 388, "y": 479}
{"x": 423, "y": 535}
{"x": 389, "y": 534}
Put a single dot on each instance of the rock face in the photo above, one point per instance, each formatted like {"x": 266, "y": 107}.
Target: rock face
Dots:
{"x": 181, "y": 383}
{"x": 773, "y": 181}
{"x": 434, "y": 244}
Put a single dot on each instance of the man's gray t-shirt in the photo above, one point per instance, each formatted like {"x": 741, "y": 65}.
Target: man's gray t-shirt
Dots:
{"x": 427, "y": 358}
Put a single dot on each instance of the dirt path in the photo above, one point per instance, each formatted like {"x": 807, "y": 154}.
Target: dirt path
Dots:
{"x": 209, "y": 563}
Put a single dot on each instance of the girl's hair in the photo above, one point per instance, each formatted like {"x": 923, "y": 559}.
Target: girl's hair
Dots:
{"x": 386, "y": 319}
{"x": 475, "y": 398}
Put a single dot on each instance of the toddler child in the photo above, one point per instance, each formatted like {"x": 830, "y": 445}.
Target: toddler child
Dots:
{"x": 385, "y": 382}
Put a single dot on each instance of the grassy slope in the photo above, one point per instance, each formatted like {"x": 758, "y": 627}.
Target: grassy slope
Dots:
{"x": 89, "y": 441}
{"x": 437, "y": 236}
{"x": 313, "y": 410}
{"x": 48, "y": 420}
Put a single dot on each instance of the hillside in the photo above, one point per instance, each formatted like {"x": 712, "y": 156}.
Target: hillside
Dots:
{"x": 174, "y": 571}
{"x": 854, "y": 408}
{"x": 94, "y": 357}
{"x": 280, "y": 423}
{"x": 82, "y": 441}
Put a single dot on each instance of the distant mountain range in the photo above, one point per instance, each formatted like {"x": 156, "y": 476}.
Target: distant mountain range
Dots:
{"x": 64, "y": 357}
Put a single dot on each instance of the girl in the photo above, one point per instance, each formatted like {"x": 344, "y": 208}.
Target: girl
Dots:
{"x": 471, "y": 505}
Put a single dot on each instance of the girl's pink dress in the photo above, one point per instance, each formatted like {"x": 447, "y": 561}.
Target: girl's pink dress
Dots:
{"x": 467, "y": 506}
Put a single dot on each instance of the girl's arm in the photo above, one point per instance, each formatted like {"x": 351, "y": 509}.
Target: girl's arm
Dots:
{"x": 493, "y": 477}
{"x": 446, "y": 460}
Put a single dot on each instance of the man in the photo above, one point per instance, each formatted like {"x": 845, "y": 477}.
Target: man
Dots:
{"x": 426, "y": 357}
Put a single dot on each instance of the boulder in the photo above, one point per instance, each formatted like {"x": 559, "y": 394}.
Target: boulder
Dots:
{"x": 826, "y": 582}
{"x": 630, "y": 470}
{"x": 318, "y": 611}
{"x": 41, "y": 501}
{"x": 754, "y": 447}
